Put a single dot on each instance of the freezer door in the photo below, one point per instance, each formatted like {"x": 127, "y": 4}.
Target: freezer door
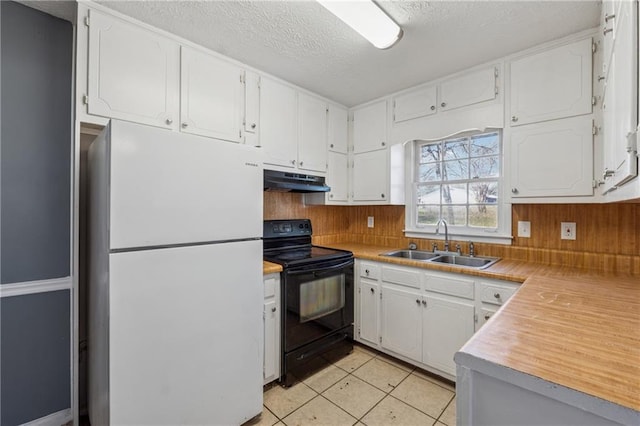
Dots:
{"x": 172, "y": 188}
{"x": 186, "y": 335}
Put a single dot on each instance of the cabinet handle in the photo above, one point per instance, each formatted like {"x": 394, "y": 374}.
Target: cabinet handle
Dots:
{"x": 185, "y": 125}
{"x": 514, "y": 190}
{"x": 330, "y": 195}
{"x": 444, "y": 104}
{"x": 384, "y": 144}
{"x": 273, "y": 309}
{"x": 169, "y": 121}
{"x": 424, "y": 303}
{"x": 496, "y": 295}
{"x": 418, "y": 302}
{"x": 382, "y": 195}
{"x": 607, "y": 18}
{"x": 301, "y": 163}
{"x": 293, "y": 162}
{"x": 331, "y": 146}
{"x": 253, "y": 125}
{"x": 607, "y": 30}
{"x": 366, "y": 271}
{"x": 372, "y": 291}
{"x": 514, "y": 118}
{"x": 600, "y": 77}
{"x": 433, "y": 107}
{"x": 487, "y": 316}
{"x": 607, "y": 173}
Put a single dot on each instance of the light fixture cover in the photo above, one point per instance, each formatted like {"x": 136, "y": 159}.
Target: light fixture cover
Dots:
{"x": 367, "y": 19}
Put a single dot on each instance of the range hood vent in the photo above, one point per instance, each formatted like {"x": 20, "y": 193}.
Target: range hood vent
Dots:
{"x": 293, "y": 182}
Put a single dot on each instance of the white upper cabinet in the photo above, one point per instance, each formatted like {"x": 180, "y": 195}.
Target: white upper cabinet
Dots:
{"x": 370, "y": 127}
{"x": 553, "y": 159}
{"x": 469, "y": 89}
{"x": 212, "y": 96}
{"x": 415, "y": 104}
{"x": 278, "y": 123}
{"x": 312, "y": 133}
{"x": 370, "y": 179}
{"x": 620, "y": 106}
{"x": 338, "y": 129}
{"x": 552, "y": 84}
{"x": 337, "y": 177}
{"x": 133, "y": 73}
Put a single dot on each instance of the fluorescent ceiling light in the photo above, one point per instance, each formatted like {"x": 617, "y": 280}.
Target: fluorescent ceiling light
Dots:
{"x": 367, "y": 19}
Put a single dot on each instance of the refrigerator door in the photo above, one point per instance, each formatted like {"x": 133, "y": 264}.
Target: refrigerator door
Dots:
{"x": 186, "y": 335}
{"x": 171, "y": 188}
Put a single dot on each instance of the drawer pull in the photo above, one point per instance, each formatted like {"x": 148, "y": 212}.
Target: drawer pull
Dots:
{"x": 372, "y": 291}
{"x": 496, "y": 295}
{"x": 487, "y": 316}
{"x": 418, "y": 302}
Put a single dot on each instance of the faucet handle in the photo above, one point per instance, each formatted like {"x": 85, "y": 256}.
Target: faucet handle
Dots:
{"x": 472, "y": 249}
{"x": 458, "y": 249}
{"x": 412, "y": 246}
{"x": 434, "y": 246}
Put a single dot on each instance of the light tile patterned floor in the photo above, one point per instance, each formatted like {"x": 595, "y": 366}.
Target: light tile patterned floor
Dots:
{"x": 364, "y": 388}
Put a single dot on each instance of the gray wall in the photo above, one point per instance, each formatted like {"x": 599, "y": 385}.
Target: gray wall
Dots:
{"x": 35, "y": 215}
{"x": 36, "y": 144}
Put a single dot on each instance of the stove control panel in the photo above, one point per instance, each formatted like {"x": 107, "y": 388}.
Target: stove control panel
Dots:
{"x": 286, "y": 228}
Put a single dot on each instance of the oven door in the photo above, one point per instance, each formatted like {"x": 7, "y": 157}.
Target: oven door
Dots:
{"x": 318, "y": 300}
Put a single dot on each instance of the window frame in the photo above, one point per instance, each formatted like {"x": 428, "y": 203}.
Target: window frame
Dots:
{"x": 501, "y": 234}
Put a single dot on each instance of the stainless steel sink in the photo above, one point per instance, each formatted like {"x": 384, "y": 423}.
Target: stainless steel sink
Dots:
{"x": 471, "y": 262}
{"x": 411, "y": 254}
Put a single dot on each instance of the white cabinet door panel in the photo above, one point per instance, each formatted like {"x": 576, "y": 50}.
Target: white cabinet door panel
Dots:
{"x": 312, "y": 133}
{"x": 271, "y": 339}
{"x": 371, "y": 176}
{"x": 552, "y": 84}
{"x": 370, "y": 127}
{"x": 401, "y": 321}
{"x": 415, "y": 104}
{"x": 133, "y": 73}
{"x": 468, "y": 89}
{"x": 337, "y": 177}
{"x": 338, "y": 129}
{"x": 212, "y": 96}
{"x": 553, "y": 158}
{"x": 447, "y": 325}
{"x": 278, "y": 123}
{"x": 369, "y": 309}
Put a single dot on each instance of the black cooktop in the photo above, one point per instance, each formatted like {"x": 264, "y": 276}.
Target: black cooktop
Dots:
{"x": 288, "y": 243}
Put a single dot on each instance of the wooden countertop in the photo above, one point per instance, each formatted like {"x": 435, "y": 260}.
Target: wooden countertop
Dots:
{"x": 270, "y": 268}
{"x": 578, "y": 328}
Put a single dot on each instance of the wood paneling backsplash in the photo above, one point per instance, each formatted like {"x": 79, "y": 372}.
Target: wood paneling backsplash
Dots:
{"x": 601, "y": 228}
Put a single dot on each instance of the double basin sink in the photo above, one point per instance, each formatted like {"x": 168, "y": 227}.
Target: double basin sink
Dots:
{"x": 444, "y": 258}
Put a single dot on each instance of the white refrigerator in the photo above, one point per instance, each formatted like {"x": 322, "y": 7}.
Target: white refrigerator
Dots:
{"x": 175, "y": 279}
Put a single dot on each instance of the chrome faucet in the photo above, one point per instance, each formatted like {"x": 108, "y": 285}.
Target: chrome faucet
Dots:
{"x": 446, "y": 233}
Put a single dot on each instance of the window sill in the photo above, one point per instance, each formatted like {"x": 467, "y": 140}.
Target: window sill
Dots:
{"x": 478, "y": 237}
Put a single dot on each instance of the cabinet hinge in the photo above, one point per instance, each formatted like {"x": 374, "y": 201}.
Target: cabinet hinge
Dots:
{"x": 240, "y": 134}
{"x": 632, "y": 142}
{"x": 394, "y": 117}
{"x": 359, "y": 290}
{"x": 495, "y": 71}
{"x": 242, "y": 78}
{"x": 86, "y": 20}
{"x": 594, "y": 129}
{"x": 496, "y": 90}
{"x": 594, "y": 47}
{"x": 380, "y": 339}
{"x": 593, "y": 100}
{"x": 380, "y": 295}
{"x": 475, "y": 317}
{"x": 85, "y": 100}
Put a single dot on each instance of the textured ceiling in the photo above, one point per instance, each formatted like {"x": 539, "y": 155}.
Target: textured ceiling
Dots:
{"x": 301, "y": 42}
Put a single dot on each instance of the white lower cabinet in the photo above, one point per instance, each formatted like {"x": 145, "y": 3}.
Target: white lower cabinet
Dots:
{"x": 271, "y": 316}
{"x": 422, "y": 316}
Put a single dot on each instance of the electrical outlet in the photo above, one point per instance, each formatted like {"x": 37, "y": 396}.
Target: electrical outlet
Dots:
{"x": 524, "y": 229}
{"x": 370, "y": 221}
{"x": 567, "y": 230}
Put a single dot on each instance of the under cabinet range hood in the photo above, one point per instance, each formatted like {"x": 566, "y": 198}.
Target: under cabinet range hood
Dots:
{"x": 293, "y": 182}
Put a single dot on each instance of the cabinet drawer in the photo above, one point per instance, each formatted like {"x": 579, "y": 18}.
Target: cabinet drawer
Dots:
{"x": 495, "y": 294}
{"x": 451, "y": 286}
{"x": 270, "y": 285}
{"x": 370, "y": 270}
{"x": 404, "y": 277}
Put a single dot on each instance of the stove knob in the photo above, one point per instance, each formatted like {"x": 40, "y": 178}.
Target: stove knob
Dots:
{"x": 301, "y": 226}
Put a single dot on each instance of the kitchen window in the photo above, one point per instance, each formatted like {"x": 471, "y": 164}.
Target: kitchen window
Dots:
{"x": 459, "y": 179}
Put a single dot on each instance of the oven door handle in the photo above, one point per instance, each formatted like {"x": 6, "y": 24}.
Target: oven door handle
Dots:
{"x": 320, "y": 272}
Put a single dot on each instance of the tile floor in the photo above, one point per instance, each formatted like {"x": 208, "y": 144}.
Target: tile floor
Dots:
{"x": 363, "y": 388}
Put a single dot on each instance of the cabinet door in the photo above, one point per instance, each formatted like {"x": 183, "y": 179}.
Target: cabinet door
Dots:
{"x": 553, "y": 159}
{"x": 133, "y": 73}
{"x": 620, "y": 113}
{"x": 368, "y": 329}
{"x": 337, "y": 177}
{"x": 338, "y": 129}
{"x": 447, "y": 325}
{"x": 415, "y": 104}
{"x": 271, "y": 348}
{"x": 312, "y": 133}
{"x": 401, "y": 321}
{"x": 552, "y": 84}
{"x": 370, "y": 127}
{"x": 468, "y": 89}
{"x": 370, "y": 176}
{"x": 278, "y": 128}
{"x": 212, "y": 96}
